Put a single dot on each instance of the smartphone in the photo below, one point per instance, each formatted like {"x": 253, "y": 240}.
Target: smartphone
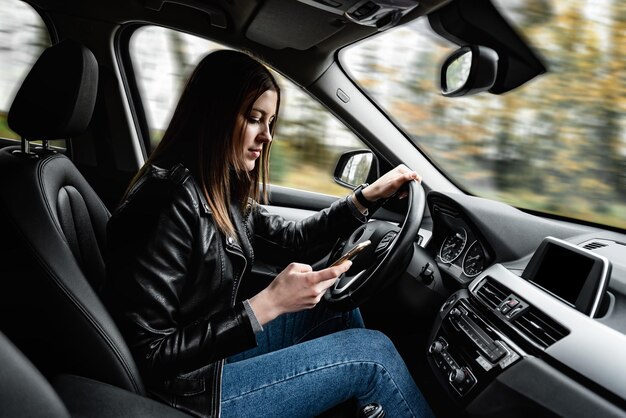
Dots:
{"x": 352, "y": 253}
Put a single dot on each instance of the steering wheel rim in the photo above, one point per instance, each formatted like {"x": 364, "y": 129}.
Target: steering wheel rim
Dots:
{"x": 380, "y": 263}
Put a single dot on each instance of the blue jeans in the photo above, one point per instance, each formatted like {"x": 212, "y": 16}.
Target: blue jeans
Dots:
{"x": 307, "y": 362}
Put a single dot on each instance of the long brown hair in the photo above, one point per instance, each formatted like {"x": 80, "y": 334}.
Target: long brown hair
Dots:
{"x": 201, "y": 134}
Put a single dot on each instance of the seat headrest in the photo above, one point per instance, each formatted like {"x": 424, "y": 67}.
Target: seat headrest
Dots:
{"x": 57, "y": 97}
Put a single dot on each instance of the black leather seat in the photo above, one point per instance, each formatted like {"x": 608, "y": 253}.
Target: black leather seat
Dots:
{"x": 24, "y": 392}
{"x": 51, "y": 263}
{"x": 53, "y": 233}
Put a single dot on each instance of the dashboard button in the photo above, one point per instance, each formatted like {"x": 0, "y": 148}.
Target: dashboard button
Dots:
{"x": 435, "y": 348}
{"x": 455, "y": 313}
{"x": 512, "y": 302}
{"x": 456, "y": 376}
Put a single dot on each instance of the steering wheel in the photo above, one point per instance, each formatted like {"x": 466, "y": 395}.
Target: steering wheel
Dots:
{"x": 380, "y": 262}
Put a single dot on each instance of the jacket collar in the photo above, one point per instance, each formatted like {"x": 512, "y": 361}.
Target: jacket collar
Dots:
{"x": 244, "y": 246}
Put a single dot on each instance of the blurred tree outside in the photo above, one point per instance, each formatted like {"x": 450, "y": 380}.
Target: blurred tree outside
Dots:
{"x": 308, "y": 140}
{"x": 556, "y": 144}
{"x": 23, "y": 36}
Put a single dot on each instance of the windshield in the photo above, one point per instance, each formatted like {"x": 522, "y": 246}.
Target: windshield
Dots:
{"x": 556, "y": 145}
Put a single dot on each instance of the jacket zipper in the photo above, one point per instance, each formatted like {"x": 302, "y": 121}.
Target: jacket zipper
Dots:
{"x": 218, "y": 376}
{"x": 217, "y": 400}
{"x": 229, "y": 243}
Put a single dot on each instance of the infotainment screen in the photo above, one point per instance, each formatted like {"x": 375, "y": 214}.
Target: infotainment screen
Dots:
{"x": 573, "y": 274}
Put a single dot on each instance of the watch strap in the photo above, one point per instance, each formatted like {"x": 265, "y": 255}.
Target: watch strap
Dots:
{"x": 358, "y": 194}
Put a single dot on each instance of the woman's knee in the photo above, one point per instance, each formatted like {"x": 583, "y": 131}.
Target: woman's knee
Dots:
{"x": 372, "y": 345}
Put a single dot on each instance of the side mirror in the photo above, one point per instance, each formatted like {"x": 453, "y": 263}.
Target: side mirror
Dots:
{"x": 356, "y": 167}
{"x": 469, "y": 70}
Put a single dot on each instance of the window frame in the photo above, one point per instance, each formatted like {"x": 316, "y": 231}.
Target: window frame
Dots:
{"x": 122, "y": 43}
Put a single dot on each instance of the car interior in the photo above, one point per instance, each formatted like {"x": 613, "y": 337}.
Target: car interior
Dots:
{"x": 498, "y": 309}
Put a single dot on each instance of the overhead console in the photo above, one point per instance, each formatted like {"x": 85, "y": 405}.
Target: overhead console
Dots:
{"x": 505, "y": 336}
{"x": 379, "y": 13}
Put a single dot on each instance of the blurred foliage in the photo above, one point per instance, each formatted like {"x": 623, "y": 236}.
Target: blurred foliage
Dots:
{"x": 23, "y": 36}
{"x": 556, "y": 144}
{"x": 5, "y": 131}
{"x": 307, "y": 142}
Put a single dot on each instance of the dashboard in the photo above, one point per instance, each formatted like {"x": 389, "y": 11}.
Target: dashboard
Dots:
{"x": 500, "y": 343}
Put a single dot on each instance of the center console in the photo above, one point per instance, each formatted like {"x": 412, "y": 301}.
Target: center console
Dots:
{"x": 481, "y": 332}
{"x": 505, "y": 344}
{"x": 468, "y": 350}
{"x": 502, "y": 318}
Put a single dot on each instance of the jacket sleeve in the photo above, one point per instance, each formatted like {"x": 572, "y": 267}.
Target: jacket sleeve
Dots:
{"x": 150, "y": 243}
{"x": 321, "y": 227}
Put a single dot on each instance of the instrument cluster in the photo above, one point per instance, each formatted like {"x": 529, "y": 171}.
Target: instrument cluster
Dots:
{"x": 459, "y": 247}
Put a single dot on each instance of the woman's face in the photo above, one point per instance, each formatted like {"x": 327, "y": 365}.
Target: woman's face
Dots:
{"x": 256, "y": 129}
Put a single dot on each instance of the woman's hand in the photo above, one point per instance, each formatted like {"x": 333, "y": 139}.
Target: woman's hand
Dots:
{"x": 388, "y": 184}
{"x": 297, "y": 287}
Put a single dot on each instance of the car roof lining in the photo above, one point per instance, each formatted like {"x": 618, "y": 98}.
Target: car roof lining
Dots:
{"x": 314, "y": 35}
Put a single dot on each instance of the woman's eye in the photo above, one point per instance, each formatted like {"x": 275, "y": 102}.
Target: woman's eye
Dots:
{"x": 254, "y": 120}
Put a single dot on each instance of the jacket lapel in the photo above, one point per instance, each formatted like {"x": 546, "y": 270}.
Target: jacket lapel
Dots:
{"x": 244, "y": 245}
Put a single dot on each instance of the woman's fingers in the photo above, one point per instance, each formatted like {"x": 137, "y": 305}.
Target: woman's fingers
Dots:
{"x": 388, "y": 184}
{"x": 329, "y": 273}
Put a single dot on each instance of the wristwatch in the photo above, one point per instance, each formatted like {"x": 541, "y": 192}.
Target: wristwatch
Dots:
{"x": 358, "y": 194}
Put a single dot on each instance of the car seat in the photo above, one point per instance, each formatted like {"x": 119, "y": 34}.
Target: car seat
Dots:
{"x": 51, "y": 261}
{"x": 25, "y": 392}
{"x": 51, "y": 251}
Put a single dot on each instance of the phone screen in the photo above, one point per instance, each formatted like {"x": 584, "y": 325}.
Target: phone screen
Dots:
{"x": 352, "y": 253}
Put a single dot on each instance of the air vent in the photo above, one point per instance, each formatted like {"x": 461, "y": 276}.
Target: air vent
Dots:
{"x": 539, "y": 328}
{"x": 593, "y": 245}
{"x": 491, "y": 293}
{"x": 446, "y": 210}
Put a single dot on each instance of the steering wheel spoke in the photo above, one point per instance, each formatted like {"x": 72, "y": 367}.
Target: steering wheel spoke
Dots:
{"x": 382, "y": 261}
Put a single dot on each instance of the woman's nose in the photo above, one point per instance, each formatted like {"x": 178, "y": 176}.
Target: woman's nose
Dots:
{"x": 265, "y": 135}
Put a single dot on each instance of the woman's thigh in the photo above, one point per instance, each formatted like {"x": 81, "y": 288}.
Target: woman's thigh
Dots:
{"x": 311, "y": 377}
{"x": 297, "y": 327}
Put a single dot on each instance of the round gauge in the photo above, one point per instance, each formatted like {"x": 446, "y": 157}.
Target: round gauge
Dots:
{"x": 474, "y": 260}
{"x": 453, "y": 246}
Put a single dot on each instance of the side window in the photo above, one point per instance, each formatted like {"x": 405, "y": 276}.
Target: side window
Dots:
{"x": 308, "y": 139}
{"x": 23, "y": 36}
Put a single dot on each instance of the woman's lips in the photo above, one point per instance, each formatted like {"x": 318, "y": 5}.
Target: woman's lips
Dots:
{"x": 256, "y": 153}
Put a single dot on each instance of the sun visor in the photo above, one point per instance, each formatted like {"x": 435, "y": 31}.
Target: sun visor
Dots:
{"x": 306, "y": 26}
{"x": 478, "y": 22}
{"x": 308, "y": 23}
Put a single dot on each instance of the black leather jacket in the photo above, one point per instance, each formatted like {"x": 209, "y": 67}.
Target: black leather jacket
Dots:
{"x": 173, "y": 280}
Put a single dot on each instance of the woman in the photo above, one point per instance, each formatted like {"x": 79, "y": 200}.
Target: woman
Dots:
{"x": 182, "y": 241}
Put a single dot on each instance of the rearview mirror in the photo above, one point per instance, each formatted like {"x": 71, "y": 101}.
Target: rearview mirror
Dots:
{"x": 356, "y": 167}
{"x": 469, "y": 70}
